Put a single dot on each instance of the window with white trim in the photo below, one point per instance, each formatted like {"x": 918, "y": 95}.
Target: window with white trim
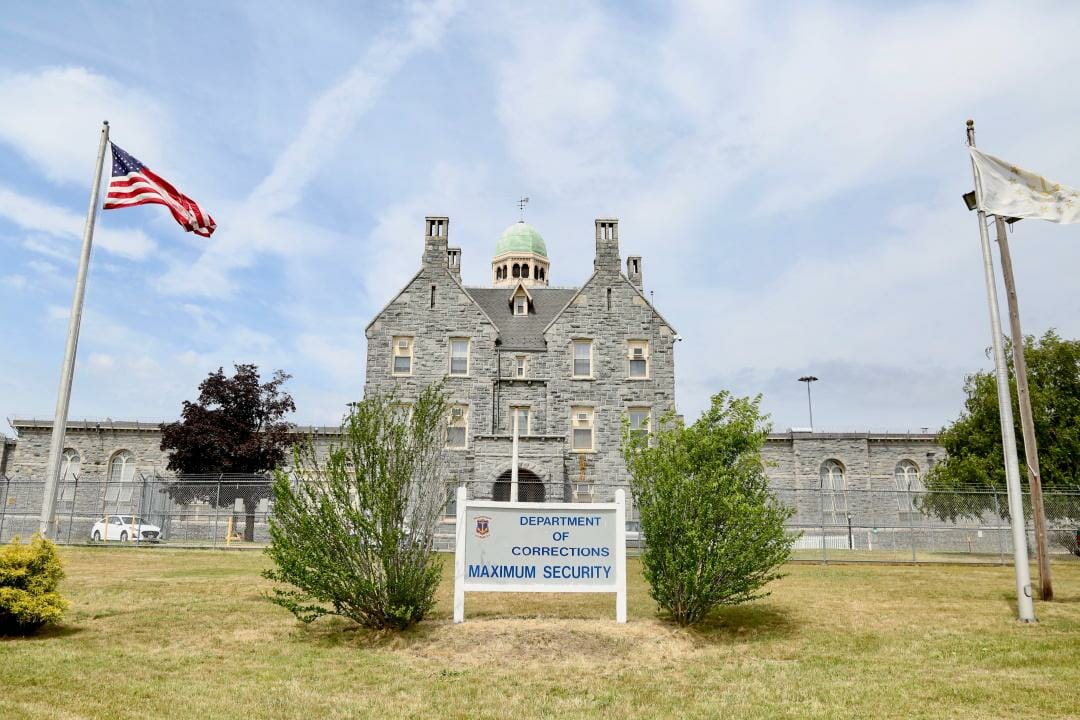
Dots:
{"x": 521, "y": 412}
{"x": 521, "y": 366}
{"x": 908, "y": 486}
{"x": 834, "y": 491}
{"x": 121, "y": 477}
{"x": 581, "y": 424}
{"x": 459, "y": 356}
{"x": 638, "y": 357}
{"x": 450, "y": 508}
{"x": 402, "y": 346}
{"x": 521, "y": 305}
{"x": 457, "y": 435}
{"x": 70, "y": 464}
{"x": 582, "y": 358}
{"x": 640, "y": 421}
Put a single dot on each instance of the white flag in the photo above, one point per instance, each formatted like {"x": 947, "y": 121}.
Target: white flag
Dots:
{"x": 1008, "y": 191}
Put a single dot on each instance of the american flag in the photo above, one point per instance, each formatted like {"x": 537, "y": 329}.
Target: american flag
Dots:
{"x": 134, "y": 184}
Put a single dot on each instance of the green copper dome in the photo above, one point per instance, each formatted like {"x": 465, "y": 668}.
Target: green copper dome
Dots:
{"x": 520, "y": 237}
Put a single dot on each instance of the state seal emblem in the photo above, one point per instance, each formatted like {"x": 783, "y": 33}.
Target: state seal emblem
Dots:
{"x": 482, "y": 527}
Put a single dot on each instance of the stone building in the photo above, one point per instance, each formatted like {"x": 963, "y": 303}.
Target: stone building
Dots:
{"x": 571, "y": 363}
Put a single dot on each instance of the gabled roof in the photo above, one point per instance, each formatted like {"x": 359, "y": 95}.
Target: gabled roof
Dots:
{"x": 522, "y": 332}
{"x": 581, "y": 289}
{"x": 406, "y": 286}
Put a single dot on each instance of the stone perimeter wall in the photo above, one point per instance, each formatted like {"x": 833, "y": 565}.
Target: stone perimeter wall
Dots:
{"x": 793, "y": 460}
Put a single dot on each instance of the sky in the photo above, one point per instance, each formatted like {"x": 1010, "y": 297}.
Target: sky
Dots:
{"x": 791, "y": 172}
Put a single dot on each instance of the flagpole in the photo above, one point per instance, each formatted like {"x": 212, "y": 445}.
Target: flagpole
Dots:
{"x": 1027, "y": 423}
{"x": 1025, "y": 608}
{"x": 67, "y": 372}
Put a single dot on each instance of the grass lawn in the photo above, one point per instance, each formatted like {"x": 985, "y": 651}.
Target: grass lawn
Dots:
{"x": 159, "y": 633}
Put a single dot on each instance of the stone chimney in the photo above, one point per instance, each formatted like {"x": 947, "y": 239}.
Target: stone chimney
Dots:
{"x": 633, "y": 271}
{"x": 607, "y": 245}
{"x": 436, "y": 230}
{"x": 453, "y": 262}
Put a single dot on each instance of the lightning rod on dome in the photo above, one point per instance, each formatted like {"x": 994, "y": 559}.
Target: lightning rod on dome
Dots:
{"x": 522, "y": 202}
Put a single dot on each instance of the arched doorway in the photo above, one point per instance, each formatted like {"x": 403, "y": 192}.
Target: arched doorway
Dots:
{"x": 530, "y": 487}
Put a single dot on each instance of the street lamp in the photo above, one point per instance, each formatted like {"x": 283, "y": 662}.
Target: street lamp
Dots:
{"x": 810, "y": 404}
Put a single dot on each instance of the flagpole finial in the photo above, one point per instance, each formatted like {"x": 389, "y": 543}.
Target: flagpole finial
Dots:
{"x": 105, "y": 122}
{"x": 971, "y": 123}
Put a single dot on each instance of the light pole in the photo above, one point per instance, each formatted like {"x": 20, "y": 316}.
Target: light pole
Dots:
{"x": 809, "y": 403}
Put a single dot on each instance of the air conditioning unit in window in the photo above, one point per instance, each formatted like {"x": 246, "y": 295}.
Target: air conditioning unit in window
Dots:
{"x": 583, "y": 418}
{"x": 639, "y": 353}
{"x": 457, "y": 413}
{"x": 403, "y": 344}
{"x": 583, "y": 489}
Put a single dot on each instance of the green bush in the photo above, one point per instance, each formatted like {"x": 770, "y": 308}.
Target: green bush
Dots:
{"x": 353, "y": 533}
{"x": 714, "y": 532}
{"x": 29, "y": 576}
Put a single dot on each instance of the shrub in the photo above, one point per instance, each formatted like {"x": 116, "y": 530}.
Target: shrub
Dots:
{"x": 353, "y": 534}
{"x": 714, "y": 532}
{"x": 29, "y": 576}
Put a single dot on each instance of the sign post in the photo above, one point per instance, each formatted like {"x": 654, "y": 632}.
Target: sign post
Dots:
{"x": 540, "y": 547}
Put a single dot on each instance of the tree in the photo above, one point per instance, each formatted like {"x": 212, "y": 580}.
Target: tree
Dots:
{"x": 714, "y": 532}
{"x": 236, "y": 426}
{"x": 973, "y": 442}
{"x": 353, "y": 534}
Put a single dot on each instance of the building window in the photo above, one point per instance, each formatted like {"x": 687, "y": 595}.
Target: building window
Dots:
{"x": 638, "y": 355}
{"x": 403, "y": 355}
{"x": 457, "y": 433}
{"x": 121, "y": 477}
{"x": 521, "y": 412}
{"x": 640, "y": 421}
{"x": 581, "y": 422}
{"x": 908, "y": 485}
{"x": 516, "y": 270}
{"x": 525, "y": 271}
{"x": 582, "y": 358}
{"x": 70, "y": 463}
{"x": 459, "y": 356}
{"x": 450, "y": 509}
{"x": 521, "y": 366}
{"x": 834, "y": 491}
{"x": 521, "y": 305}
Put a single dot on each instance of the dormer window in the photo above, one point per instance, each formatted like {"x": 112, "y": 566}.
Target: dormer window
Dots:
{"x": 521, "y": 305}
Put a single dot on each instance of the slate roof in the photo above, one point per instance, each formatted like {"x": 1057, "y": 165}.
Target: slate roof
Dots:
{"x": 522, "y": 332}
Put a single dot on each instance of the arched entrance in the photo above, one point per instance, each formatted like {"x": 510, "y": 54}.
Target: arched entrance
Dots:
{"x": 530, "y": 487}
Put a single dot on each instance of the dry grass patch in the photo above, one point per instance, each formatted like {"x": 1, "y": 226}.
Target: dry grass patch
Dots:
{"x": 190, "y": 634}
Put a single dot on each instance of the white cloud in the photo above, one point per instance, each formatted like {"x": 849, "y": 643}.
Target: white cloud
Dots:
{"x": 735, "y": 112}
{"x": 258, "y": 225}
{"x": 15, "y": 282}
{"x": 38, "y": 216}
{"x": 52, "y": 117}
{"x": 100, "y": 362}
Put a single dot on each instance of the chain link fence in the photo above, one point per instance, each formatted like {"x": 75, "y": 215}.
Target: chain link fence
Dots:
{"x": 223, "y": 510}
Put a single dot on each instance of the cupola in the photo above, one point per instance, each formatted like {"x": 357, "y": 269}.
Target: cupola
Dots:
{"x": 520, "y": 258}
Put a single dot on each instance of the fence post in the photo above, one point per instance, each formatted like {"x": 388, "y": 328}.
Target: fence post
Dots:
{"x": 3, "y": 507}
{"x": 821, "y": 502}
{"x": 911, "y": 521}
{"x": 217, "y": 510}
{"x": 74, "y": 502}
{"x": 997, "y": 513}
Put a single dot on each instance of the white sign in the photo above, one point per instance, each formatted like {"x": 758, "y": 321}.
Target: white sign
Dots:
{"x": 540, "y": 547}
